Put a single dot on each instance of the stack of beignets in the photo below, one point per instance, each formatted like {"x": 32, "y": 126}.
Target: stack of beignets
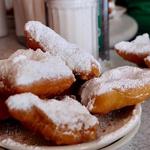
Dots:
{"x": 40, "y": 73}
{"x": 35, "y": 82}
{"x": 36, "y": 76}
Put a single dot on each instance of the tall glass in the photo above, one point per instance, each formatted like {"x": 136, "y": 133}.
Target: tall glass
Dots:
{"x": 76, "y": 21}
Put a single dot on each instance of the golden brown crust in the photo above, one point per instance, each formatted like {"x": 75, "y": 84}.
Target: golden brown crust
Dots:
{"x": 53, "y": 80}
{"x": 116, "y": 99}
{"x": 37, "y": 121}
{"x": 133, "y": 57}
{"x": 58, "y": 135}
{"x": 89, "y": 75}
{"x": 136, "y": 50}
{"x": 43, "y": 88}
{"x": 115, "y": 89}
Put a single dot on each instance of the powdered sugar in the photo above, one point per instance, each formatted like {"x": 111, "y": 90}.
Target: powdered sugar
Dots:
{"x": 66, "y": 112}
{"x": 121, "y": 78}
{"x": 19, "y": 58}
{"x": 141, "y": 45}
{"x": 27, "y": 66}
{"x": 76, "y": 59}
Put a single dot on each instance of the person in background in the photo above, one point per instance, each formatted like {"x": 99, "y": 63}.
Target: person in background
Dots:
{"x": 140, "y": 11}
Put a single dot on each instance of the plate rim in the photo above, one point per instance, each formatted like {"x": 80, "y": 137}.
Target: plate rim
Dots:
{"x": 124, "y": 139}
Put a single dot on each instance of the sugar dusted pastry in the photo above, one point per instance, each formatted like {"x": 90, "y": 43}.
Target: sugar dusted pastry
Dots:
{"x": 115, "y": 89}
{"x": 36, "y": 72}
{"x": 136, "y": 50}
{"x": 62, "y": 122}
{"x": 82, "y": 63}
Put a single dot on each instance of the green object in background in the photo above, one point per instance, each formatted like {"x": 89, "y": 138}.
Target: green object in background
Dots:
{"x": 140, "y": 11}
{"x": 100, "y": 40}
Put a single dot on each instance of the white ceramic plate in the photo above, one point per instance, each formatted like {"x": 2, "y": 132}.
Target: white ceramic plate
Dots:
{"x": 121, "y": 29}
{"x": 119, "y": 143}
{"x": 97, "y": 144}
{"x": 123, "y": 140}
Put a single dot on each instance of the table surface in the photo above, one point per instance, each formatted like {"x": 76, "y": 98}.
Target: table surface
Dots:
{"x": 141, "y": 141}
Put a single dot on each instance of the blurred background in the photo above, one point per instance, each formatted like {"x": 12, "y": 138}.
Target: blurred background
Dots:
{"x": 95, "y": 25}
